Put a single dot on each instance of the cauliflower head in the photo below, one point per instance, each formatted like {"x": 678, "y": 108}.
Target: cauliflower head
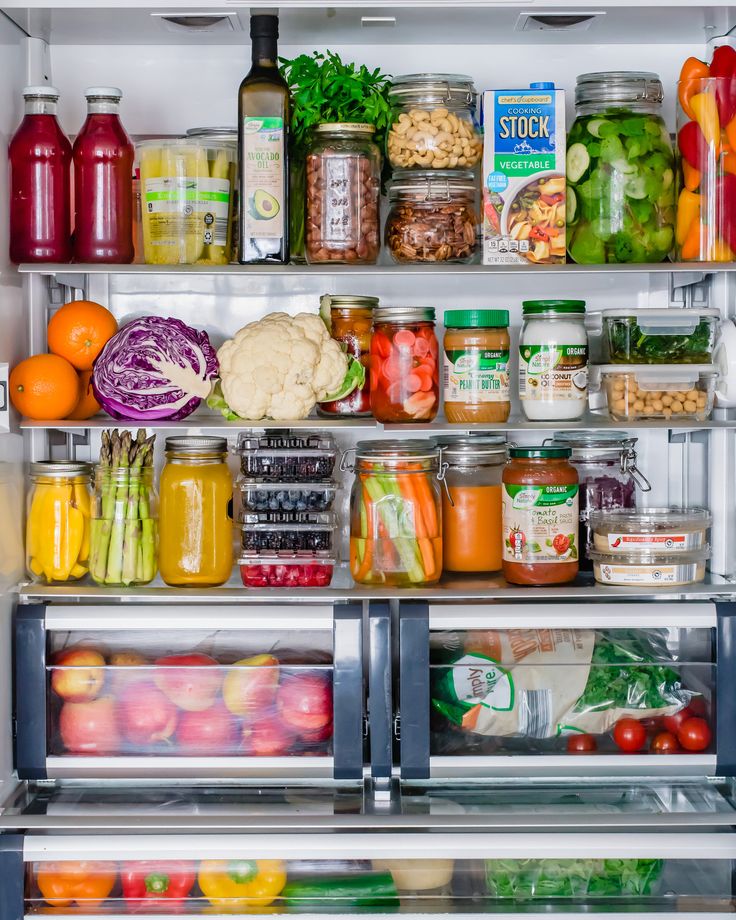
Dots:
{"x": 280, "y": 367}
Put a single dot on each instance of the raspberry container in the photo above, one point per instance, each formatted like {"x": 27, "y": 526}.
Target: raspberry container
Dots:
{"x": 260, "y": 497}
{"x": 272, "y": 571}
{"x": 289, "y": 458}
{"x": 283, "y": 532}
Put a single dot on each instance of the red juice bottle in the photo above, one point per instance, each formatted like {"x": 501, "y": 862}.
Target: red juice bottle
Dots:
{"x": 40, "y": 165}
{"x": 103, "y": 182}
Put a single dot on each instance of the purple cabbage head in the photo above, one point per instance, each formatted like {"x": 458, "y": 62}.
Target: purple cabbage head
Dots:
{"x": 154, "y": 368}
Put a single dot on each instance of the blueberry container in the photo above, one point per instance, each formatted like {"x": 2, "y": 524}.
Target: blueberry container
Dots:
{"x": 259, "y": 497}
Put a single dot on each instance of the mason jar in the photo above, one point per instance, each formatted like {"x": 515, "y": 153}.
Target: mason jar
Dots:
{"x": 395, "y": 513}
{"x": 433, "y": 216}
{"x": 472, "y": 532}
{"x": 58, "y": 521}
{"x": 351, "y": 322}
{"x": 435, "y": 123}
{"x": 607, "y": 473}
{"x": 620, "y": 171}
{"x": 343, "y": 191}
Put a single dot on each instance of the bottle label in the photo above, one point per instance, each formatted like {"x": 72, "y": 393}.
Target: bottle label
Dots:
{"x": 540, "y": 523}
{"x": 550, "y": 372}
{"x": 263, "y": 176}
{"x": 187, "y": 207}
{"x": 618, "y": 574}
{"x": 623, "y": 542}
{"x": 476, "y": 375}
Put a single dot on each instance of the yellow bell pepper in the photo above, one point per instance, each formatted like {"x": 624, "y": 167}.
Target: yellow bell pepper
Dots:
{"x": 706, "y": 114}
{"x": 233, "y": 883}
{"x": 688, "y": 210}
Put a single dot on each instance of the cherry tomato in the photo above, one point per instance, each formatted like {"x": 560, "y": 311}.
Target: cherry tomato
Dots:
{"x": 694, "y": 734}
{"x": 664, "y": 743}
{"x": 630, "y": 735}
{"x": 581, "y": 744}
{"x": 672, "y": 723}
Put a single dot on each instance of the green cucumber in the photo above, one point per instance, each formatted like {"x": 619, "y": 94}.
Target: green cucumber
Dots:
{"x": 342, "y": 892}
{"x": 578, "y": 161}
{"x": 594, "y": 126}
{"x": 571, "y": 205}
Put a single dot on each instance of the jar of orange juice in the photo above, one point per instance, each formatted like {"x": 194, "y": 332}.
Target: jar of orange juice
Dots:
{"x": 195, "y": 520}
{"x": 472, "y": 536}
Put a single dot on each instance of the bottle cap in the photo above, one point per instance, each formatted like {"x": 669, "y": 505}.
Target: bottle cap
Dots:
{"x": 544, "y": 85}
{"x": 532, "y": 307}
{"x": 43, "y": 91}
{"x": 103, "y": 92}
{"x": 264, "y": 26}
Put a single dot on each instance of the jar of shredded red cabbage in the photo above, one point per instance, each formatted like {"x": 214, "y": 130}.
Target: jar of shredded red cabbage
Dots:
{"x": 606, "y": 467}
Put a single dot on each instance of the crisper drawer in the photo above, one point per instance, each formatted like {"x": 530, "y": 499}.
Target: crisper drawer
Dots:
{"x": 559, "y": 690}
{"x": 262, "y": 693}
{"x": 373, "y": 873}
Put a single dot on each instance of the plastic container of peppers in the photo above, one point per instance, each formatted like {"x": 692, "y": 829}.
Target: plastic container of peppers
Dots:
{"x": 706, "y": 144}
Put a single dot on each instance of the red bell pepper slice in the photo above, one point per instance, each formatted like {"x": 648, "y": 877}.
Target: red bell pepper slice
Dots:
{"x": 723, "y": 69}
{"x": 725, "y": 208}
{"x": 693, "y": 145}
{"x": 148, "y": 880}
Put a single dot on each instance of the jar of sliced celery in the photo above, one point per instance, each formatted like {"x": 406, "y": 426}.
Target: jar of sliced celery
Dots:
{"x": 620, "y": 171}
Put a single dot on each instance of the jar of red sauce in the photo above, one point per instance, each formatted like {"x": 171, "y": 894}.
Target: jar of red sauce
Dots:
{"x": 351, "y": 323}
{"x": 540, "y": 516}
{"x": 404, "y": 378}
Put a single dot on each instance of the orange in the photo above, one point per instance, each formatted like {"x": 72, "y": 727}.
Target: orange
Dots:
{"x": 44, "y": 387}
{"x": 78, "y": 331}
{"x": 87, "y": 405}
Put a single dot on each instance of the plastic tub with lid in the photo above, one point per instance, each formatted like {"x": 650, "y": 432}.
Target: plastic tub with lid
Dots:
{"x": 650, "y": 569}
{"x": 652, "y": 530}
{"x": 661, "y": 391}
{"x": 660, "y": 336}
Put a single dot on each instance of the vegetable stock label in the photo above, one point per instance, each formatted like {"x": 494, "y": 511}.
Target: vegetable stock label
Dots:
{"x": 262, "y": 177}
{"x": 525, "y": 132}
{"x": 476, "y": 376}
{"x": 540, "y": 523}
{"x": 550, "y": 372}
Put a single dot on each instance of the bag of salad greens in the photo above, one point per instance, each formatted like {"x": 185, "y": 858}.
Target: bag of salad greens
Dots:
{"x": 538, "y": 683}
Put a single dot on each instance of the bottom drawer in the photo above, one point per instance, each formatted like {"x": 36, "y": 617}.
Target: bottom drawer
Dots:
{"x": 374, "y": 872}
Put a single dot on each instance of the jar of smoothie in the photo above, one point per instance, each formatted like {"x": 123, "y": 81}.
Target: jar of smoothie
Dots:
{"x": 553, "y": 360}
{"x": 540, "y": 516}
{"x": 472, "y": 536}
{"x": 196, "y": 528}
{"x": 476, "y": 366}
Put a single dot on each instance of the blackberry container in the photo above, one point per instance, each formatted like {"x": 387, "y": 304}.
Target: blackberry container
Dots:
{"x": 280, "y": 532}
{"x": 287, "y": 458}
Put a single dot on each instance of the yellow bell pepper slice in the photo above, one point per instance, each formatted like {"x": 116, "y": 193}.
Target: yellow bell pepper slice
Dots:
{"x": 706, "y": 114}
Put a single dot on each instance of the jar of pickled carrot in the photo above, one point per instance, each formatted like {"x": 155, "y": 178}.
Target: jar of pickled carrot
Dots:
{"x": 540, "y": 516}
{"x": 404, "y": 378}
{"x": 351, "y": 323}
{"x": 472, "y": 536}
{"x": 195, "y": 525}
{"x": 395, "y": 513}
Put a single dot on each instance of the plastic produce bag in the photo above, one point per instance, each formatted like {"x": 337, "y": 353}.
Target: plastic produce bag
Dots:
{"x": 572, "y": 878}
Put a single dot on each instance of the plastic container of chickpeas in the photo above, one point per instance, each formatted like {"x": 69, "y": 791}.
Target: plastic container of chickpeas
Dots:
{"x": 665, "y": 391}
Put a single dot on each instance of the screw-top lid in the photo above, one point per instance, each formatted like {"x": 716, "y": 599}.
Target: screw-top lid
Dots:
{"x": 540, "y": 453}
{"x": 352, "y": 302}
{"x": 40, "y": 92}
{"x": 346, "y": 127}
{"x": 619, "y": 87}
{"x": 264, "y": 25}
{"x": 103, "y": 92}
{"x": 476, "y": 319}
{"x": 60, "y": 469}
{"x": 544, "y": 86}
{"x": 403, "y": 315}
{"x": 193, "y": 445}
{"x": 536, "y": 307}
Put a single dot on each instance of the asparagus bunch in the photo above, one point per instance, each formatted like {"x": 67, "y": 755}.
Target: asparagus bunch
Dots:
{"x": 123, "y": 536}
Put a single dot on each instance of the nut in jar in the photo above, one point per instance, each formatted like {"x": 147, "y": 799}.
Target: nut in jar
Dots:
{"x": 435, "y": 128}
{"x": 433, "y": 216}
{"x": 658, "y": 391}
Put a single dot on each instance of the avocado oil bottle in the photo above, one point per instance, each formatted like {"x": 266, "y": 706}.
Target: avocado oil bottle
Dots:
{"x": 263, "y": 134}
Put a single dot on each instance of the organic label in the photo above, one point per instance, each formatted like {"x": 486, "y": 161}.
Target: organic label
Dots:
{"x": 647, "y": 574}
{"x": 678, "y": 541}
{"x": 262, "y": 177}
{"x": 550, "y": 372}
{"x": 181, "y": 207}
{"x": 540, "y": 523}
{"x": 476, "y": 375}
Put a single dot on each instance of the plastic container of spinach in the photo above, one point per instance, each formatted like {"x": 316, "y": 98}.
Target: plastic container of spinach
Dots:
{"x": 523, "y": 879}
{"x": 620, "y": 171}
{"x": 661, "y": 336}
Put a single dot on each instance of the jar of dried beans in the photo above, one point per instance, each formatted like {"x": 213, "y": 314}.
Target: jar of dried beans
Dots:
{"x": 343, "y": 190}
{"x": 433, "y": 216}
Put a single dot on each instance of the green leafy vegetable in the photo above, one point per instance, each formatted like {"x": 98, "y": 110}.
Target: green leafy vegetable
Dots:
{"x": 571, "y": 878}
{"x": 629, "y": 344}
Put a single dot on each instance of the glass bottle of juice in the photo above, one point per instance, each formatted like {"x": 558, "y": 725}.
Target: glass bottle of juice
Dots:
{"x": 103, "y": 182}
{"x": 40, "y": 164}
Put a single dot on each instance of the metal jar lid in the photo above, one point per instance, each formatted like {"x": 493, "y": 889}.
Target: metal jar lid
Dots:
{"x": 403, "y": 315}
{"x": 589, "y": 446}
{"x": 394, "y": 450}
{"x": 345, "y": 127}
{"x": 619, "y": 87}
{"x": 451, "y": 88}
{"x": 470, "y": 450}
{"x": 351, "y": 302}
{"x": 60, "y": 469}
{"x": 196, "y": 445}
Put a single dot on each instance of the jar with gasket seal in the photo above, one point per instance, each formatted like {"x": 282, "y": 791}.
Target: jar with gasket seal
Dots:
{"x": 433, "y": 216}
{"x": 435, "y": 125}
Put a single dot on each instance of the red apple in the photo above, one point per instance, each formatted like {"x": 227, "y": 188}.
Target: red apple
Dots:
{"x": 90, "y": 728}
{"x": 250, "y": 685}
{"x": 304, "y": 702}
{"x": 78, "y": 674}
{"x": 267, "y": 738}
{"x": 318, "y": 735}
{"x": 146, "y": 715}
{"x": 211, "y": 732}
{"x": 191, "y": 681}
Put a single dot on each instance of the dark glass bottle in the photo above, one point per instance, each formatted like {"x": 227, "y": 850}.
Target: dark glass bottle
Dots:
{"x": 263, "y": 128}
{"x": 103, "y": 182}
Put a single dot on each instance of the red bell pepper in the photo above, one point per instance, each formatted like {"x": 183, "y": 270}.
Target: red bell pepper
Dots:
{"x": 723, "y": 69}
{"x": 725, "y": 208}
{"x": 149, "y": 880}
{"x": 693, "y": 145}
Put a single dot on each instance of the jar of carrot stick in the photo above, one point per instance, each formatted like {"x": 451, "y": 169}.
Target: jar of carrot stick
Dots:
{"x": 395, "y": 513}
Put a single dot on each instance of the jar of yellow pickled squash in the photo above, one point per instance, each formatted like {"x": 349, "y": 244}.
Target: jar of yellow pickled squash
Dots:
{"x": 195, "y": 518}
{"x": 58, "y": 515}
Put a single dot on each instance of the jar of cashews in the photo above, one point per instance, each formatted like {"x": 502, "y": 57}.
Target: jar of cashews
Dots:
{"x": 435, "y": 125}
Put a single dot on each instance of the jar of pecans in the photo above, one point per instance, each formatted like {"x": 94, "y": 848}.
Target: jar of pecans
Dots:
{"x": 433, "y": 216}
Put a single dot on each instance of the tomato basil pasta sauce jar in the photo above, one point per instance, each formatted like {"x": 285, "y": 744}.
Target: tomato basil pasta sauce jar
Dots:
{"x": 540, "y": 516}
